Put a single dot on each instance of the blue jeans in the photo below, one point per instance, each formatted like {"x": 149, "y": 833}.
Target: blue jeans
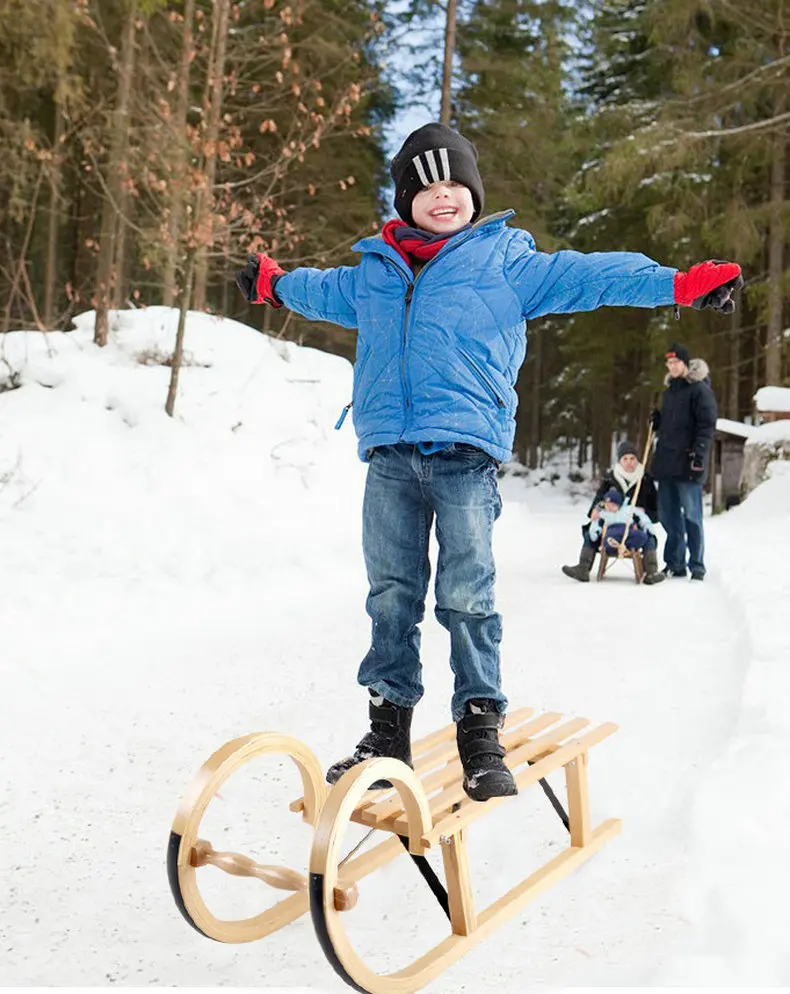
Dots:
{"x": 405, "y": 492}
{"x": 680, "y": 512}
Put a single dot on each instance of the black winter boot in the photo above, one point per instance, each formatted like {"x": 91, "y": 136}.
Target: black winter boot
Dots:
{"x": 485, "y": 775}
{"x": 581, "y": 571}
{"x": 652, "y": 573}
{"x": 389, "y": 735}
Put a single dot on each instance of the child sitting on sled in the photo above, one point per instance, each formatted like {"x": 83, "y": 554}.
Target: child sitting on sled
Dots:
{"x": 440, "y": 300}
{"x": 632, "y": 482}
{"x": 616, "y": 515}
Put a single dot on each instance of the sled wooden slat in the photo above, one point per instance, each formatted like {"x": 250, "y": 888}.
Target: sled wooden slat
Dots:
{"x": 391, "y": 807}
{"x": 467, "y": 813}
{"x": 454, "y": 792}
{"x": 429, "y": 752}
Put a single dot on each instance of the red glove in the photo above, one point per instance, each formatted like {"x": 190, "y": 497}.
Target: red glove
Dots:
{"x": 709, "y": 284}
{"x": 257, "y": 280}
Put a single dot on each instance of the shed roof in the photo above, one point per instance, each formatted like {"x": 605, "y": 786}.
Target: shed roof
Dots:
{"x": 772, "y": 399}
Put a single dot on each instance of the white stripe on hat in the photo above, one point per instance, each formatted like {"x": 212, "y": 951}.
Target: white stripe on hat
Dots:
{"x": 421, "y": 171}
{"x": 429, "y": 158}
{"x": 445, "y": 160}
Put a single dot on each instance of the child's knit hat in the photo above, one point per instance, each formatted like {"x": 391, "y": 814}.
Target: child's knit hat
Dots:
{"x": 614, "y": 496}
{"x": 430, "y": 154}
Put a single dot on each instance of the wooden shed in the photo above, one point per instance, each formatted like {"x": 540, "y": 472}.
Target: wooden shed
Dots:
{"x": 726, "y": 463}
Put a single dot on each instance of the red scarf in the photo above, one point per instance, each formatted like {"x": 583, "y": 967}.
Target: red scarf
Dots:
{"x": 407, "y": 241}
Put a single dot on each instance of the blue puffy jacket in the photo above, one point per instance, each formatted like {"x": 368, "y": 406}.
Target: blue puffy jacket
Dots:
{"x": 438, "y": 355}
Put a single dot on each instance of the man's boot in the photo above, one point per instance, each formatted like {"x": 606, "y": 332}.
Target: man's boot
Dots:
{"x": 581, "y": 571}
{"x": 485, "y": 774}
{"x": 389, "y": 735}
{"x": 652, "y": 573}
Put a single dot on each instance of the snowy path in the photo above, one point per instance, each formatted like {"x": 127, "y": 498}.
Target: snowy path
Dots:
{"x": 123, "y": 683}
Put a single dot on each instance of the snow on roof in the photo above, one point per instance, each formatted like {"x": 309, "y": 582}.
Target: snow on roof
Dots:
{"x": 772, "y": 399}
{"x": 734, "y": 427}
{"x": 770, "y": 432}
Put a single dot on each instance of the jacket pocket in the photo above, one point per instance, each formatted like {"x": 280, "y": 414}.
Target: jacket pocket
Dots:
{"x": 484, "y": 379}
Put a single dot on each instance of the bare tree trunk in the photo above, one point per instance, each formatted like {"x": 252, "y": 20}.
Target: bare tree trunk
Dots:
{"x": 180, "y": 158}
{"x": 120, "y": 288}
{"x": 113, "y": 181}
{"x": 734, "y": 379}
{"x": 53, "y": 226}
{"x": 773, "y": 345}
{"x": 449, "y": 51}
{"x": 216, "y": 71}
{"x": 178, "y": 351}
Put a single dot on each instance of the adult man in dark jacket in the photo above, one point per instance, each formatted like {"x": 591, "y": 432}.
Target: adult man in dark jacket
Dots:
{"x": 685, "y": 424}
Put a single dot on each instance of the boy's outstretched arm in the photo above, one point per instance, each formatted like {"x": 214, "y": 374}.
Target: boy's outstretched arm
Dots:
{"x": 564, "y": 282}
{"x": 318, "y": 294}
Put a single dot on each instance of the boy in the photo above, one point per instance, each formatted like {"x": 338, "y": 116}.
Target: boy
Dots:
{"x": 440, "y": 301}
{"x": 625, "y": 477}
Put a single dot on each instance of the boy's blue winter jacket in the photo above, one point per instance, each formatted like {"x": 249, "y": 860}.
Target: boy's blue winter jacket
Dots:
{"x": 438, "y": 355}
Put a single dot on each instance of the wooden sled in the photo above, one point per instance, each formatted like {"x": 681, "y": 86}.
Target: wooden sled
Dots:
{"x": 426, "y": 808}
{"x": 612, "y": 554}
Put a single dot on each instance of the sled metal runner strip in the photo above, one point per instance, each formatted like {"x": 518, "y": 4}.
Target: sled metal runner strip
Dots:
{"x": 425, "y": 868}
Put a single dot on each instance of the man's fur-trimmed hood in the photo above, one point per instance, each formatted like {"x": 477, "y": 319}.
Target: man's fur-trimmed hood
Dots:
{"x": 698, "y": 370}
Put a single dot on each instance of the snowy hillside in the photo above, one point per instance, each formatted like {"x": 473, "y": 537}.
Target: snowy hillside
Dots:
{"x": 170, "y": 584}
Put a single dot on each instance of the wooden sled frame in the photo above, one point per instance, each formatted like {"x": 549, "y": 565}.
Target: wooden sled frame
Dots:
{"x": 607, "y": 558}
{"x": 426, "y": 808}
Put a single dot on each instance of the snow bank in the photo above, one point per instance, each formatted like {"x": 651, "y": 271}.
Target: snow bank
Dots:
{"x": 738, "y": 896}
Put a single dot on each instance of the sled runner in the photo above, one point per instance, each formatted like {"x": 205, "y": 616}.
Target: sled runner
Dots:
{"x": 610, "y": 553}
{"x": 426, "y": 808}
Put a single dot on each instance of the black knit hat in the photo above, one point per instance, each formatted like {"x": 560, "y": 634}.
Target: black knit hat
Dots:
{"x": 432, "y": 153}
{"x": 626, "y": 448}
{"x": 676, "y": 351}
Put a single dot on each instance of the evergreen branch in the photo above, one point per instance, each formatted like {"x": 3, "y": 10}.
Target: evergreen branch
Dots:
{"x": 769, "y": 122}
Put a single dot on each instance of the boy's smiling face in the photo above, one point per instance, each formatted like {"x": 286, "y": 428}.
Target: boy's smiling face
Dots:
{"x": 443, "y": 208}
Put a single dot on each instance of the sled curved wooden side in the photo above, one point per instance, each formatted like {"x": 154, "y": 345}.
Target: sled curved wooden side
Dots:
{"x": 442, "y": 821}
{"x": 186, "y": 852}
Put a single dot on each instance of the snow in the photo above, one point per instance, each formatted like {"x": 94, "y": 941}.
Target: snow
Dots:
{"x": 772, "y": 399}
{"x": 175, "y": 583}
{"x": 770, "y": 432}
{"x": 735, "y": 427}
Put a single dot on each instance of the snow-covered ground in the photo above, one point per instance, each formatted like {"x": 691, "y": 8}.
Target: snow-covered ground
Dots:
{"x": 170, "y": 584}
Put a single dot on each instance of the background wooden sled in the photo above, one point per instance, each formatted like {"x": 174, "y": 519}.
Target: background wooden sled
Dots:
{"x": 426, "y": 808}
{"x": 609, "y": 555}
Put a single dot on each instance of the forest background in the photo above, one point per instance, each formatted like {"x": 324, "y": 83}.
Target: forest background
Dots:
{"x": 149, "y": 145}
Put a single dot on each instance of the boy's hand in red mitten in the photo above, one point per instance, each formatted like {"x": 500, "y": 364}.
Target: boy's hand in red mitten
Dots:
{"x": 709, "y": 284}
{"x": 257, "y": 280}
